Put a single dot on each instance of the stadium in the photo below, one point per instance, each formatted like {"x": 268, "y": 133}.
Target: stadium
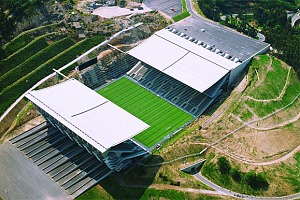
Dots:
{"x": 96, "y": 127}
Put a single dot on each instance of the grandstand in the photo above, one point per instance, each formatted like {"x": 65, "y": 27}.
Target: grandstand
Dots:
{"x": 191, "y": 72}
{"x": 168, "y": 80}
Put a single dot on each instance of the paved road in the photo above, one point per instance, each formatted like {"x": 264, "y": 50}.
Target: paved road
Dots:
{"x": 261, "y": 37}
{"x": 66, "y": 66}
{"x": 191, "y": 10}
{"x": 204, "y": 180}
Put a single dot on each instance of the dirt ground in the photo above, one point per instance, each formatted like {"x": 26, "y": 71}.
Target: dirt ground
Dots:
{"x": 262, "y": 141}
{"x": 258, "y": 146}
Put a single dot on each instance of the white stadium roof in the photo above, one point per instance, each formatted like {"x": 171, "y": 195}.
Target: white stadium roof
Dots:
{"x": 91, "y": 116}
{"x": 183, "y": 60}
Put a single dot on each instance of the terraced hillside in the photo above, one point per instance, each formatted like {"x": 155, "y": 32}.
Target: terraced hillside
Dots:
{"x": 32, "y": 55}
{"x": 260, "y": 131}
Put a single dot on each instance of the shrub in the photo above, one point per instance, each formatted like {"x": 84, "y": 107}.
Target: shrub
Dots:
{"x": 256, "y": 181}
{"x": 33, "y": 62}
{"x": 26, "y": 37}
{"x": 224, "y": 165}
{"x": 14, "y": 60}
{"x": 236, "y": 174}
{"x": 17, "y": 43}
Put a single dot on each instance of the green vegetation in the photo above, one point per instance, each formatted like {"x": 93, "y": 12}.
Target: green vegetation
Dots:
{"x": 243, "y": 112}
{"x": 25, "y": 38}
{"x": 17, "y": 43}
{"x": 181, "y": 16}
{"x": 271, "y": 88}
{"x": 224, "y": 175}
{"x": 33, "y": 62}
{"x": 236, "y": 174}
{"x": 256, "y": 181}
{"x": 23, "y": 54}
{"x": 184, "y": 13}
{"x": 293, "y": 172}
{"x": 139, "y": 193}
{"x": 273, "y": 83}
{"x": 225, "y": 7}
{"x": 196, "y": 7}
{"x": 13, "y": 11}
{"x": 275, "y": 77}
{"x": 224, "y": 165}
{"x": 163, "y": 117}
{"x": 12, "y": 92}
{"x": 269, "y": 17}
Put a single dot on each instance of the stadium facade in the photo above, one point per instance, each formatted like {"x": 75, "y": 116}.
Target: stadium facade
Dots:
{"x": 192, "y": 71}
{"x": 189, "y": 64}
{"x": 95, "y": 123}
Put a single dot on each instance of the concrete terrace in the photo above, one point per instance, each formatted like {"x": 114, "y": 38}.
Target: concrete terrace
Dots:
{"x": 23, "y": 179}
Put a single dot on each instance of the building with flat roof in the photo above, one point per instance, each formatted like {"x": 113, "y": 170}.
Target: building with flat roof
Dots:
{"x": 190, "y": 63}
{"x": 91, "y": 120}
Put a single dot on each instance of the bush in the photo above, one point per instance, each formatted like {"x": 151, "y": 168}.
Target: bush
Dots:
{"x": 224, "y": 165}
{"x": 17, "y": 43}
{"x": 236, "y": 174}
{"x": 26, "y": 37}
{"x": 12, "y": 92}
{"x": 14, "y": 60}
{"x": 256, "y": 181}
{"x": 33, "y": 62}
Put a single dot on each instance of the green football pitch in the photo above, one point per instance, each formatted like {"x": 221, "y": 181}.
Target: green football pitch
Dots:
{"x": 162, "y": 117}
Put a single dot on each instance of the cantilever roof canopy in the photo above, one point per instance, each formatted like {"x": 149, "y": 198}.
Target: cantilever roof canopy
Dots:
{"x": 183, "y": 60}
{"x": 91, "y": 116}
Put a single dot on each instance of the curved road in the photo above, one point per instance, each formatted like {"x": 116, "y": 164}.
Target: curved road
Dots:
{"x": 66, "y": 66}
{"x": 204, "y": 180}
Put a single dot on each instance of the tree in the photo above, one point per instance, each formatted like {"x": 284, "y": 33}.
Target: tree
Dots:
{"x": 224, "y": 165}
{"x": 256, "y": 181}
{"x": 236, "y": 174}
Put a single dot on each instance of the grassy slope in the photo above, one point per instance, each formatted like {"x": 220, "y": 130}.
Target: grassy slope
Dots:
{"x": 26, "y": 37}
{"x": 271, "y": 88}
{"x": 140, "y": 193}
{"x": 273, "y": 83}
{"x": 293, "y": 172}
{"x": 34, "y": 62}
{"x": 23, "y": 54}
{"x": 184, "y": 13}
{"x": 163, "y": 117}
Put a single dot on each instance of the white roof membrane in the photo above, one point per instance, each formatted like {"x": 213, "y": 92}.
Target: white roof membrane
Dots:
{"x": 197, "y": 49}
{"x": 91, "y": 116}
{"x": 158, "y": 52}
{"x": 183, "y": 60}
{"x": 196, "y": 72}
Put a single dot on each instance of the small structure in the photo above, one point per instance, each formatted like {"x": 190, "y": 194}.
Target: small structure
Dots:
{"x": 193, "y": 168}
{"x": 295, "y": 17}
{"x": 81, "y": 36}
{"x": 77, "y": 25}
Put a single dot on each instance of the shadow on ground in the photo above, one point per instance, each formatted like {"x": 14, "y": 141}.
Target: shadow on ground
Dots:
{"x": 133, "y": 182}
